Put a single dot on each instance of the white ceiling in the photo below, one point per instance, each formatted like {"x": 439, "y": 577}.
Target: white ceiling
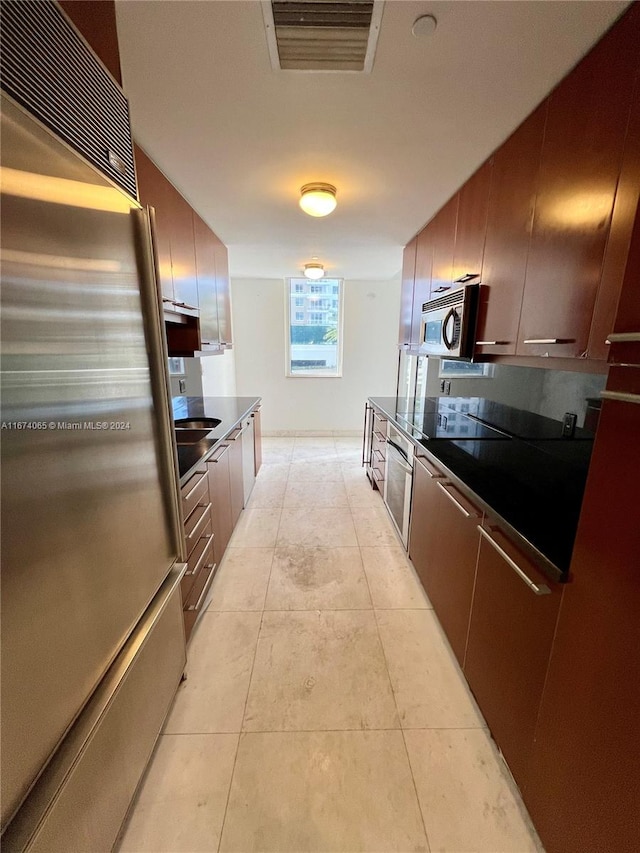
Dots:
{"x": 238, "y": 139}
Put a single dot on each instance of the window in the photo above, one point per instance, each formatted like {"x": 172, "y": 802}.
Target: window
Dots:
{"x": 463, "y": 369}
{"x": 314, "y": 336}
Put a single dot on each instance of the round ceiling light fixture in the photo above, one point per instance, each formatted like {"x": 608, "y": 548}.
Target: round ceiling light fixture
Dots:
{"x": 318, "y": 199}
{"x": 423, "y": 26}
{"x": 314, "y": 270}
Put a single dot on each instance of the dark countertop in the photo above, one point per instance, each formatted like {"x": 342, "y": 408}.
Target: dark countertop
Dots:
{"x": 527, "y": 475}
{"x": 229, "y": 410}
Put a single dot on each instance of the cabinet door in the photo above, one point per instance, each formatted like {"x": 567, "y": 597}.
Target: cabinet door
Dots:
{"x": 236, "y": 478}
{"x": 424, "y": 521}
{"x": 581, "y": 157}
{"x": 471, "y": 227}
{"x": 257, "y": 440}
{"x": 450, "y": 573}
{"x": 183, "y": 253}
{"x": 443, "y": 229}
{"x": 223, "y": 294}
{"x": 205, "y": 243}
{"x": 509, "y": 645}
{"x": 618, "y": 304}
{"x": 220, "y": 493}
{"x": 156, "y": 191}
{"x": 584, "y": 782}
{"x": 422, "y": 286}
{"x": 406, "y": 292}
{"x": 510, "y": 216}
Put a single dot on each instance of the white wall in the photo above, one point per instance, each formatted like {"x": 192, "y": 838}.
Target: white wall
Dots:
{"x": 305, "y": 404}
{"x": 219, "y": 374}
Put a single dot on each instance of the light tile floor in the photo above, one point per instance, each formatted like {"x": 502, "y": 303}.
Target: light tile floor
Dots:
{"x": 323, "y": 709}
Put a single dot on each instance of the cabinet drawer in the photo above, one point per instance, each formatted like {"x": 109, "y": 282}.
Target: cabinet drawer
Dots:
{"x": 196, "y": 525}
{"x": 197, "y": 558}
{"x": 194, "y": 604}
{"x": 195, "y": 492}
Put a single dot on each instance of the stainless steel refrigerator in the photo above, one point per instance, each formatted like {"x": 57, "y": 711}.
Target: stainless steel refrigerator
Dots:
{"x": 92, "y": 637}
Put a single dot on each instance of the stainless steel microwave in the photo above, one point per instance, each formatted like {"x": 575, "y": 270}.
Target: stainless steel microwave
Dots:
{"x": 449, "y": 323}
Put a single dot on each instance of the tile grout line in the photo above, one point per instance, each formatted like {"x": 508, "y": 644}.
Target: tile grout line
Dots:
{"x": 246, "y": 698}
{"x": 395, "y": 701}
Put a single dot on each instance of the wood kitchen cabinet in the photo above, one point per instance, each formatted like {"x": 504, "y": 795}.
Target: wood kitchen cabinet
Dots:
{"x": 443, "y": 230}
{"x": 443, "y": 546}
{"x": 257, "y": 439}
{"x": 183, "y": 256}
{"x": 236, "y": 478}
{"x": 96, "y": 20}
{"x": 199, "y": 546}
{"x": 155, "y": 191}
{"x": 510, "y": 217}
{"x": 223, "y": 294}
{"x": 583, "y": 787}
{"x": 406, "y": 292}
{"x": 471, "y": 224}
{"x": 218, "y": 470}
{"x": 618, "y": 304}
{"x": 378, "y": 449}
{"x": 510, "y": 636}
{"x": 581, "y": 158}
{"x": 422, "y": 282}
{"x": 205, "y": 249}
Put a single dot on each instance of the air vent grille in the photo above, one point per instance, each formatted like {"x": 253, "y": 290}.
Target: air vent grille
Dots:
{"x": 322, "y": 35}
{"x": 48, "y": 68}
{"x": 455, "y": 297}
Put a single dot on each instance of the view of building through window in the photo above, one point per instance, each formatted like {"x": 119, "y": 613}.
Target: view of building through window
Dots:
{"x": 314, "y": 328}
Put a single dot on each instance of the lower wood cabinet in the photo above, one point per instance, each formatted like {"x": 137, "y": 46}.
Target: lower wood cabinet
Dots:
{"x": 257, "y": 439}
{"x": 515, "y": 610}
{"x": 443, "y": 546}
{"x": 199, "y": 545}
{"x": 220, "y": 491}
{"x": 236, "y": 479}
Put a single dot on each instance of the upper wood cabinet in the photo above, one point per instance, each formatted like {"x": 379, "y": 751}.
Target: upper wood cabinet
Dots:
{"x": 406, "y": 292}
{"x": 183, "y": 256}
{"x": 442, "y": 229}
{"x": 422, "y": 284}
{"x": 618, "y": 303}
{"x": 205, "y": 247}
{"x": 96, "y": 20}
{"x": 581, "y": 157}
{"x": 509, "y": 220}
{"x": 471, "y": 226}
{"x": 223, "y": 293}
{"x": 156, "y": 191}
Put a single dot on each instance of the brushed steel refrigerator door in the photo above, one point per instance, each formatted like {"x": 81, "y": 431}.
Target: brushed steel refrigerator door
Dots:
{"x": 89, "y": 501}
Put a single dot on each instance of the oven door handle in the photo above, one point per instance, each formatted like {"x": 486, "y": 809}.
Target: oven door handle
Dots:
{"x": 406, "y": 467}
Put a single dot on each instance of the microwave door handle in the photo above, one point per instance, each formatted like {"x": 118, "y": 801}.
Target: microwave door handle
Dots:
{"x": 447, "y": 342}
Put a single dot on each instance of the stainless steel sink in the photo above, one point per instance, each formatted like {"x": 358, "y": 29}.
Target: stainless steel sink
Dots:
{"x": 191, "y": 436}
{"x": 206, "y": 424}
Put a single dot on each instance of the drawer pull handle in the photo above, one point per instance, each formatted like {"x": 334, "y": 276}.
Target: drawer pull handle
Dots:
{"x": 199, "y": 522}
{"x": 433, "y": 473}
{"x": 539, "y": 589}
{"x": 495, "y": 343}
{"x": 621, "y": 396}
{"x": 197, "y": 566}
{"x": 218, "y": 453}
{"x": 544, "y": 341}
{"x": 379, "y": 456}
{"x": 453, "y": 500}
{"x": 197, "y": 485}
{"x": 196, "y": 606}
{"x": 622, "y": 337}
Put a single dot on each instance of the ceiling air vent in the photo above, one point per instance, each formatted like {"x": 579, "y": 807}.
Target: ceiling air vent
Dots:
{"x": 322, "y": 35}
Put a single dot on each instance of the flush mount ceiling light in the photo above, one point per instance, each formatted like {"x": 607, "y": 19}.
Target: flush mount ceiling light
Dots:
{"x": 423, "y": 26}
{"x": 318, "y": 199}
{"x": 314, "y": 270}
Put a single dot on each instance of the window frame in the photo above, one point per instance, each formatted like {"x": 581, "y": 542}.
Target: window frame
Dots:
{"x": 290, "y": 293}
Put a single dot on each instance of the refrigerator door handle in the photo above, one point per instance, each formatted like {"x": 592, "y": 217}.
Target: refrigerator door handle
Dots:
{"x": 152, "y": 312}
